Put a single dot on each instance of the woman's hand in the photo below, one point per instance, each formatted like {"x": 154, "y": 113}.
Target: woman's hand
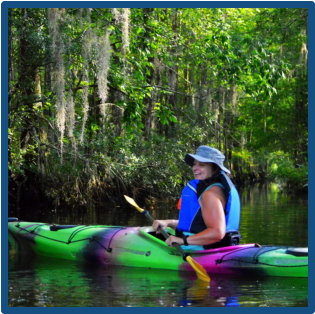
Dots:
{"x": 159, "y": 224}
{"x": 172, "y": 239}
{"x": 164, "y": 224}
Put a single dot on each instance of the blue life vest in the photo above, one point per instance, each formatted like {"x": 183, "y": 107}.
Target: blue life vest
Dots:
{"x": 190, "y": 215}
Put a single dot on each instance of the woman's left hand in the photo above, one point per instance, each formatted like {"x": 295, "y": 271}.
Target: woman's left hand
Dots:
{"x": 172, "y": 239}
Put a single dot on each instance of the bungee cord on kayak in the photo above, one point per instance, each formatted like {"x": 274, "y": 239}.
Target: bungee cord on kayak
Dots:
{"x": 253, "y": 258}
{"x": 70, "y": 240}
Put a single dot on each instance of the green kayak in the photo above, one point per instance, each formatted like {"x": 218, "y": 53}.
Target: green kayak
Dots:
{"x": 141, "y": 247}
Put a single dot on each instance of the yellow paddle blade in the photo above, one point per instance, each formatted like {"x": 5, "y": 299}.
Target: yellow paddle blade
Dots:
{"x": 132, "y": 202}
{"x": 200, "y": 271}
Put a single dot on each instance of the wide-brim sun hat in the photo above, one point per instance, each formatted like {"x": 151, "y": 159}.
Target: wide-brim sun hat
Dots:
{"x": 207, "y": 154}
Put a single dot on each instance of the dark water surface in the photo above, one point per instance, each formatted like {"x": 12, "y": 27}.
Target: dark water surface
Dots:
{"x": 268, "y": 217}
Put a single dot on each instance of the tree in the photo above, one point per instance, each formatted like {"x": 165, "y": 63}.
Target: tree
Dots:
{"x": 115, "y": 97}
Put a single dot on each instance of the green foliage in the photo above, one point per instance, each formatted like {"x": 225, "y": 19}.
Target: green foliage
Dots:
{"x": 233, "y": 78}
{"x": 283, "y": 169}
{"x": 164, "y": 114}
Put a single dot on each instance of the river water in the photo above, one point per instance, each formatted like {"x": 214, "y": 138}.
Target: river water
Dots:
{"x": 268, "y": 217}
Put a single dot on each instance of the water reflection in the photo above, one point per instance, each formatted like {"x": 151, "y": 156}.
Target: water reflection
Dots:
{"x": 49, "y": 283}
{"x": 273, "y": 218}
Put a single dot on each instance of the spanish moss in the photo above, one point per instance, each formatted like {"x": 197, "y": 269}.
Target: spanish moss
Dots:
{"x": 58, "y": 73}
{"x": 103, "y": 59}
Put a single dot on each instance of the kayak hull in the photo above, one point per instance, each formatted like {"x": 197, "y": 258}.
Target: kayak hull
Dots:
{"x": 139, "y": 247}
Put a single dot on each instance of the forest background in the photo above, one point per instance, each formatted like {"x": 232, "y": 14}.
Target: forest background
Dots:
{"x": 107, "y": 101}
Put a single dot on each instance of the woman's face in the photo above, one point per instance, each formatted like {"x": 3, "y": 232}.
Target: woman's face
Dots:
{"x": 202, "y": 170}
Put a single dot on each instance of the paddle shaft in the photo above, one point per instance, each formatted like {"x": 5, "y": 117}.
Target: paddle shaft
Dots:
{"x": 200, "y": 271}
{"x": 164, "y": 233}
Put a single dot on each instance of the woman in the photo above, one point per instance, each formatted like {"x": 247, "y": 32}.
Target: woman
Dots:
{"x": 210, "y": 204}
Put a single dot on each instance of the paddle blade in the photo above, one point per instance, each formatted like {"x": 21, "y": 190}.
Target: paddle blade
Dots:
{"x": 200, "y": 271}
{"x": 132, "y": 202}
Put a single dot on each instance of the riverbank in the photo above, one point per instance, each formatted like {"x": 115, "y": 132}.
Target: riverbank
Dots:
{"x": 66, "y": 191}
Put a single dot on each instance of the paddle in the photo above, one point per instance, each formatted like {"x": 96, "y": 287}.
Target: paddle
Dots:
{"x": 200, "y": 271}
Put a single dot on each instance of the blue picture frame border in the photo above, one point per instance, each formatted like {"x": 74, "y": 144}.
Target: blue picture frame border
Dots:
{"x": 141, "y": 4}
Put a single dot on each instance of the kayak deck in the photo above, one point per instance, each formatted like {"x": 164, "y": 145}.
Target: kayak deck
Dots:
{"x": 139, "y": 247}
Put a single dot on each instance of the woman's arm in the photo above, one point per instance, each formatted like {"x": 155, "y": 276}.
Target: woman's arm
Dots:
{"x": 212, "y": 205}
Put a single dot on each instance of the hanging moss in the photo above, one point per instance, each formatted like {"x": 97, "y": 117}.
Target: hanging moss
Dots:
{"x": 58, "y": 73}
{"x": 103, "y": 60}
